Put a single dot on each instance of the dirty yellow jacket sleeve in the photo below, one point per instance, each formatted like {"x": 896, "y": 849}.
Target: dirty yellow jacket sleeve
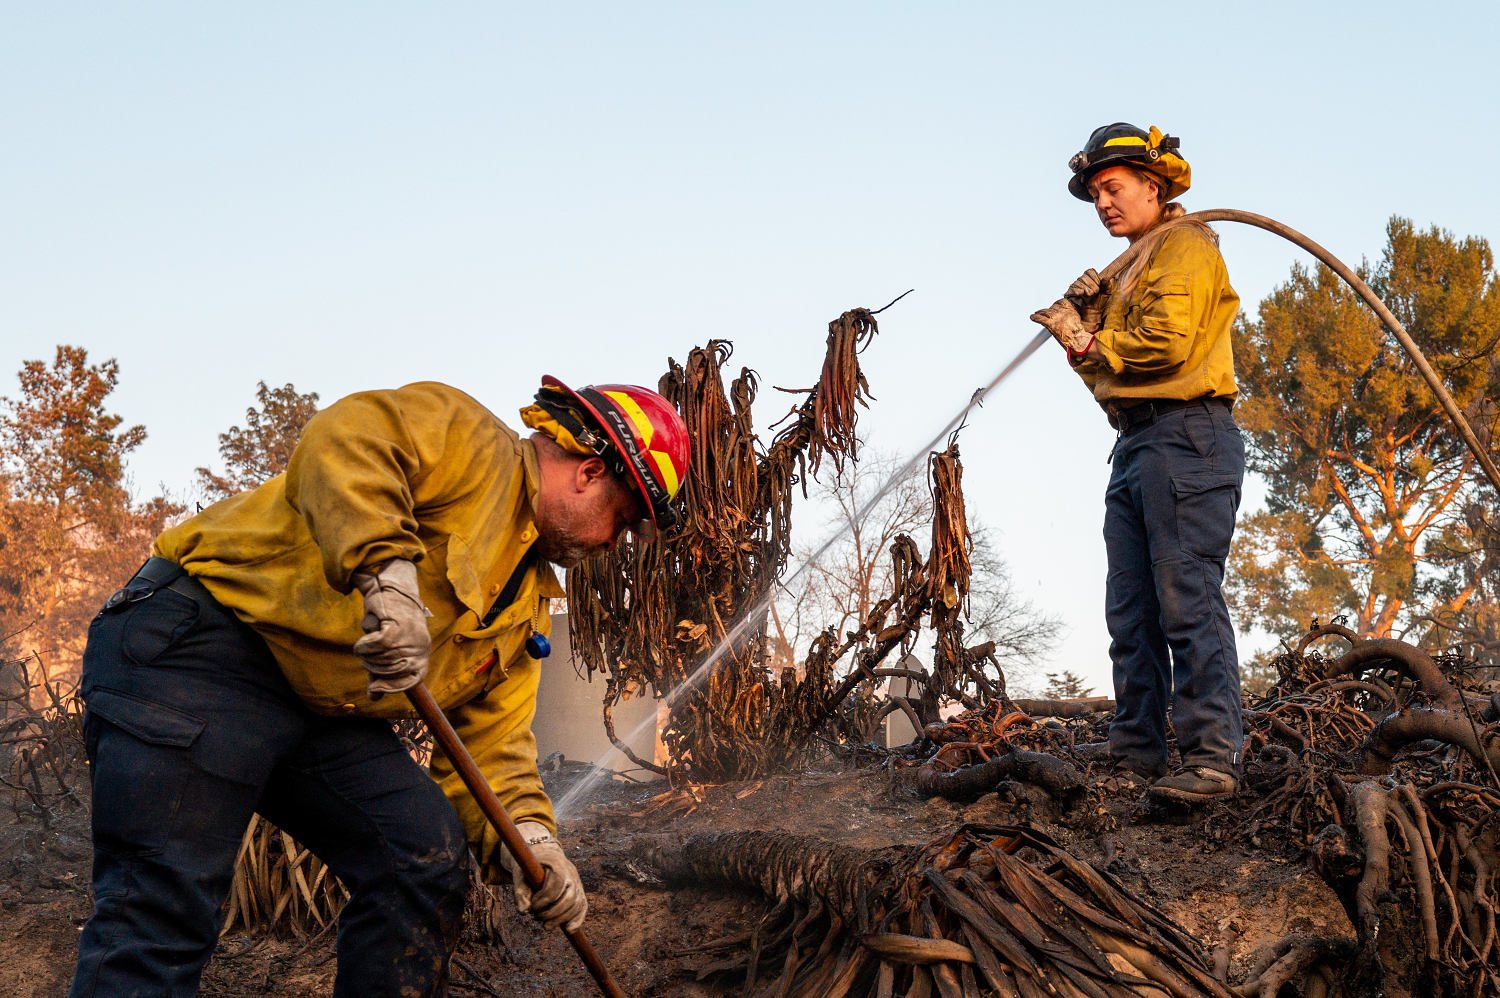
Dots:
{"x": 1170, "y": 337}
{"x": 354, "y": 477}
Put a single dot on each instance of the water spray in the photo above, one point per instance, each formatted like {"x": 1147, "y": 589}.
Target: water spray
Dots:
{"x": 754, "y": 610}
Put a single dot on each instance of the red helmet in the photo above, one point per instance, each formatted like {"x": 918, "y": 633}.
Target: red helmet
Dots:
{"x": 647, "y": 443}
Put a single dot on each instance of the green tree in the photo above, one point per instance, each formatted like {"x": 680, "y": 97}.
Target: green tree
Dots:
{"x": 1467, "y": 618}
{"x": 261, "y": 449}
{"x": 69, "y": 531}
{"x": 1367, "y": 481}
{"x": 1066, "y": 685}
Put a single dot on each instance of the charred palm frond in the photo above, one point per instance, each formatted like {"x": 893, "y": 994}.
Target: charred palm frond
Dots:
{"x": 646, "y": 615}
{"x": 279, "y": 886}
{"x": 693, "y": 605}
{"x": 939, "y": 587}
{"x": 999, "y": 908}
{"x": 830, "y": 423}
{"x": 951, "y": 543}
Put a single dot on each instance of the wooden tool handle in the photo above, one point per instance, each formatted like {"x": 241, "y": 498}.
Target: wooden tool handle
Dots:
{"x": 447, "y": 739}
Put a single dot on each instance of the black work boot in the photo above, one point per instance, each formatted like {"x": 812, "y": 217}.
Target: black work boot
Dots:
{"x": 1193, "y": 785}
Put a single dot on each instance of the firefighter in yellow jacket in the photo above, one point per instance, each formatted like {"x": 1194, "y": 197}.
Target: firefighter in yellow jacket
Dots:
{"x": 256, "y": 660}
{"x": 1154, "y": 350}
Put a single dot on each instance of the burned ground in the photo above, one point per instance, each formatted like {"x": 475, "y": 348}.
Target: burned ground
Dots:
{"x": 1358, "y": 858}
{"x": 1217, "y": 884}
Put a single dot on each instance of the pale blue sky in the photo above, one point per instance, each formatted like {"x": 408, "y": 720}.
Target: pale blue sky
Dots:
{"x": 349, "y": 195}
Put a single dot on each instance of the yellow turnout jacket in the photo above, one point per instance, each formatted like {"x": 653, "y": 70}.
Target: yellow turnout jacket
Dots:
{"x": 1170, "y": 337}
{"x": 424, "y": 473}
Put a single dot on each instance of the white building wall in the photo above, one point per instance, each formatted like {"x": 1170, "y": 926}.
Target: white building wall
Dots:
{"x": 569, "y": 712}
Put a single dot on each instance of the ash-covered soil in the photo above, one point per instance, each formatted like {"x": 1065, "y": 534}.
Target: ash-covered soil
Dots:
{"x": 1205, "y": 869}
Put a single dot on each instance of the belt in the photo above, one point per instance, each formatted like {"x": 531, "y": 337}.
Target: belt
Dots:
{"x": 1133, "y": 417}
{"x": 156, "y": 574}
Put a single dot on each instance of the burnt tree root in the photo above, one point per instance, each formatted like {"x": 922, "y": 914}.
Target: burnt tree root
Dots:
{"x": 1373, "y": 654}
{"x": 1058, "y": 778}
{"x": 1397, "y": 731}
{"x": 1416, "y": 875}
{"x": 1302, "y": 961}
{"x": 1411, "y": 661}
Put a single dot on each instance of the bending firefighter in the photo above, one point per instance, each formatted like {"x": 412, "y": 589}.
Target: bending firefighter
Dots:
{"x": 1154, "y": 349}
{"x": 255, "y": 664}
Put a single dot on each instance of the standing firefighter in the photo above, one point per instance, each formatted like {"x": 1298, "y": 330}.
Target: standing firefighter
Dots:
{"x": 1154, "y": 348}
{"x": 256, "y": 661}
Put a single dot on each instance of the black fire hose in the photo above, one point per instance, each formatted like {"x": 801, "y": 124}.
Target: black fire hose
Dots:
{"x": 1149, "y": 241}
{"x": 446, "y": 738}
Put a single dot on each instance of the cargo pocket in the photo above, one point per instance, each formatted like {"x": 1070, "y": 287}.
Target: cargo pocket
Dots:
{"x": 149, "y": 721}
{"x": 140, "y": 752}
{"x": 1206, "y": 505}
{"x": 155, "y": 624}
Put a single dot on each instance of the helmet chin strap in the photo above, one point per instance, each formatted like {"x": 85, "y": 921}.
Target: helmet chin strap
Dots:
{"x": 568, "y": 419}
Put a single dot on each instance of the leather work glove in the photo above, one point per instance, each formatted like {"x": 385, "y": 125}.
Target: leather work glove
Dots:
{"x": 396, "y": 644}
{"x": 1085, "y": 293}
{"x": 1086, "y": 286}
{"x": 1062, "y": 319}
{"x": 561, "y": 900}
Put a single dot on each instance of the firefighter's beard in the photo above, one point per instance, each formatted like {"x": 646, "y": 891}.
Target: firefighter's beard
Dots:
{"x": 566, "y": 550}
{"x": 580, "y": 530}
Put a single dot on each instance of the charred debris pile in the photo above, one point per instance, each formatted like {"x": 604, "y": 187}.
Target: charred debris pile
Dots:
{"x": 1376, "y": 766}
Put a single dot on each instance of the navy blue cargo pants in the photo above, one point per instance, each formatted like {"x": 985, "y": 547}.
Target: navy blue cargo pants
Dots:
{"x": 191, "y": 727}
{"x": 1168, "y": 519}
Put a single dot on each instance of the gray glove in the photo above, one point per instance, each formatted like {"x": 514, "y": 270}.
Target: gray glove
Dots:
{"x": 561, "y": 900}
{"x": 396, "y": 644}
{"x": 1087, "y": 286}
{"x": 1085, "y": 293}
{"x": 1062, "y": 319}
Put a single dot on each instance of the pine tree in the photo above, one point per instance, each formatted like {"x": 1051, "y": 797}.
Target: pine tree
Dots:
{"x": 262, "y": 448}
{"x": 1066, "y": 685}
{"x": 1368, "y": 484}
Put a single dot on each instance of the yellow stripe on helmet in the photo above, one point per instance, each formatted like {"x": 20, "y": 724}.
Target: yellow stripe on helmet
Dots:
{"x": 1125, "y": 140}
{"x": 643, "y": 426}
{"x": 664, "y": 470}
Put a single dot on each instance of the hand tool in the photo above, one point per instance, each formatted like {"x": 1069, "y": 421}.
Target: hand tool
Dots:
{"x": 447, "y": 739}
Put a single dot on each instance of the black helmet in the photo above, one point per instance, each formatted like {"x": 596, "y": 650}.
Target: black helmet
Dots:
{"x": 1120, "y": 143}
